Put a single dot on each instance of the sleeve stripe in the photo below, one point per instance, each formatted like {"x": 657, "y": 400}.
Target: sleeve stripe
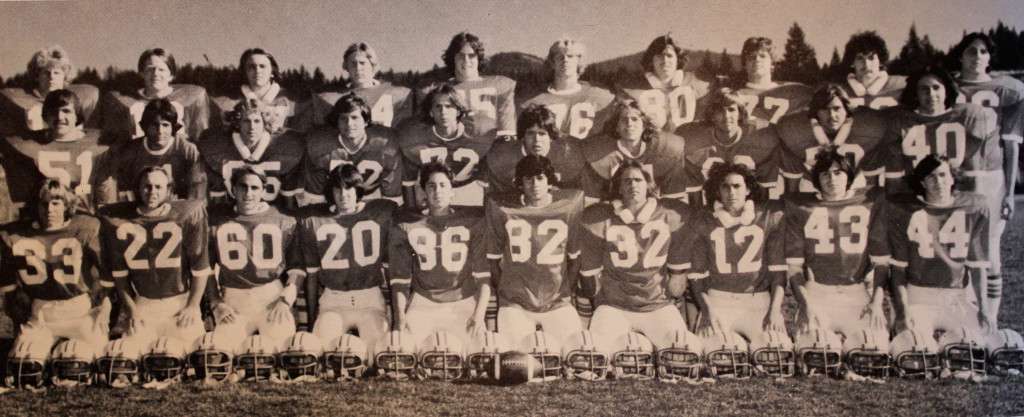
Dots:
{"x": 103, "y": 283}
{"x": 9, "y": 288}
{"x": 696, "y": 275}
{"x": 218, "y": 193}
{"x": 880, "y": 260}
{"x": 296, "y": 271}
{"x": 894, "y": 175}
{"x": 312, "y": 270}
{"x": 202, "y": 272}
{"x": 875, "y": 172}
{"x": 481, "y": 275}
{"x": 795, "y": 261}
{"x": 900, "y": 264}
{"x": 792, "y": 175}
{"x": 778, "y": 268}
{"x": 679, "y": 267}
{"x": 494, "y": 256}
{"x": 591, "y": 272}
{"x": 1010, "y": 137}
{"x": 119, "y": 274}
{"x": 574, "y": 255}
{"x": 401, "y": 281}
{"x": 288, "y": 193}
{"x": 977, "y": 264}
{"x": 505, "y": 133}
{"x": 409, "y": 183}
{"x": 675, "y": 196}
{"x": 693, "y": 189}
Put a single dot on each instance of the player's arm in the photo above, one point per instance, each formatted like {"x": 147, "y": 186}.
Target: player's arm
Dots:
{"x": 195, "y": 246}
{"x": 200, "y": 116}
{"x": 794, "y": 249}
{"x": 17, "y": 304}
{"x": 1011, "y": 133}
{"x": 410, "y": 173}
{"x": 101, "y": 296}
{"x": 506, "y": 107}
{"x": 196, "y": 175}
{"x": 294, "y": 276}
{"x": 310, "y": 261}
{"x": 678, "y": 263}
{"x": 879, "y": 254}
{"x": 495, "y": 239}
{"x": 899, "y": 260}
{"x": 978, "y": 262}
{"x": 777, "y": 274}
{"x": 401, "y": 256}
{"x": 482, "y": 275}
{"x": 314, "y": 178}
{"x": 592, "y": 247}
{"x": 699, "y": 274}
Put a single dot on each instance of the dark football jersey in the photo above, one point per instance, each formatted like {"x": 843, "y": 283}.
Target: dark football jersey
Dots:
{"x": 31, "y": 159}
{"x": 755, "y": 149}
{"x": 441, "y": 258}
{"x": 119, "y": 114}
{"x": 534, "y": 246}
{"x": 420, "y": 144}
{"x": 157, "y": 254}
{"x": 634, "y": 252}
{"x": 379, "y": 160}
{"x": 389, "y": 104}
{"x": 668, "y": 106}
{"x": 126, "y": 161}
{"x": 663, "y": 158}
{"x": 882, "y": 93}
{"x": 346, "y": 251}
{"x": 499, "y": 166}
{"x": 578, "y": 112}
{"x": 280, "y": 158}
{"x": 773, "y": 103}
{"x": 53, "y": 264}
{"x": 253, "y": 249}
{"x": 491, "y": 101}
{"x": 1004, "y": 96}
{"x": 21, "y": 110}
{"x": 935, "y": 245}
{"x": 745, "y": 256}
{"x": 286, "y": 105}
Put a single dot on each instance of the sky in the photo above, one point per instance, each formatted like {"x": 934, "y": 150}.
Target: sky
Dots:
{"x": 411, "y": 35}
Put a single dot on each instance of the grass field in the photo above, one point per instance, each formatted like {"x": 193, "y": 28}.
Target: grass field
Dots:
{"x": 813, "y": 396}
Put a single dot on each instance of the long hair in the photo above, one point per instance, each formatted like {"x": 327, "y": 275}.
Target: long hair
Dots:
{"x": 823, "y": 162}
{"x": 343, "y": 176}
{"x": 455, "y": 46}
{"x": 275, "y": 70}
{"x": 614, "y": 191}
{"x": 620, "y": 108}
{"x": 718, "y": 173}
{"x": 60, "y": 98}
{"x": 909, "y": 99}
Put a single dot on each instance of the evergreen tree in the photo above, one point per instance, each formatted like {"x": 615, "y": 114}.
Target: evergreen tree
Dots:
{"x": 832, "y": 71}
{"x": 799, "y": 63}
{"x": 707, "y": 68}
{"x": 917, "y": 54}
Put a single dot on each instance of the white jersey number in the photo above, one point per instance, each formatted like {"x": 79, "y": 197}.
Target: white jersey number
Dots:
{"x": 138, "y": 235}
{"x": 520, "y": 241}
{"x": 232, "y": 250}
{"x": 452, "y": 248}
{"x": 34, "y": 252}
{"x": 950, "y": 141}
{"x": 361, "y": 232}
{"x": 752, "y": 236}
{"x": 273, "y": 185}
{"x": 465, "y": 155}
{"x": 49, "y": 166}
{"x": 628, "y": 248}
{"x": 577, "y": 121}
{"x": 953, "y": 232}
{"x": 818, "y": 228}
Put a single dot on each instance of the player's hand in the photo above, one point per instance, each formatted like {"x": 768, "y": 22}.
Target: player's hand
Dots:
{"x": 188, "y": 316}
{"x": 1007, "y": 209}
{"x": 874, "y": 315}
{"x": 988, "y": 324}
{"x": 101, "y": 318}
{"x": 773, "y": 321}
{"x": 909, "y": 320}
{"x": 134, "y": 326}
{"x": 280, "y": 312}
{"x": 476, "y": 326}
{"x": 224, "y": 313}
{"x": 811, "y": 319}
{"x": 714, "y": 324}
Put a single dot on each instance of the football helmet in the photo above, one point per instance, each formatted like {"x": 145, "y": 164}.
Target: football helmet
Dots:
{"x": 71, "y": 363}
{"x": 771, "y": 353}
{"x": 546, "y": 349}
{"x": 583, "y": 358}
{"x": 915, "y": 354}
{"x": 485, "y": 353}
{"x": 300, "y": 358}
{"x": 1006, "y": 352}
{"x": 726, "y": 354}
{"x": 963, "y": 350}
{"x": 26, "y": 362}
{"x": 442, "y": 357}
{"x": 118, "y": 365}
{"x": 680, "y": 356}
{"x": 163, "y": 360}
{"x": 211, "y": 357}
{"x": 256, "y": 358}
{"x": 633, "y": 357}
{"x": 346, "y": 358}
{"x": 820, "y": 352}
{"x": 396, "y": 356}
{"x": 867, "y": 353}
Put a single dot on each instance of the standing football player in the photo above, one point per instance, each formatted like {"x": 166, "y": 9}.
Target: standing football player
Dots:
{"x": 726, "y": 132}
{"x": 668, "y": 94}
{"x": 343, "y": 244}
{"x": 765, "y": 98}
{"x": 259, "y": 73}
{"x": 1004, "y": 96}
{"x": 120, "y": 113}
{"x": 50, "y": 69}
{"x": 533, "y": 247}
{"x": 157, "y": 251}
{"x": 578, "y": 106}
{"x": 248, "y": 142}
{"x": 634, "y": 257}
{"x": 869, "y": 84}
{"x": 445, "y": 137}
{"x": 438, "y": 263}
{"x": 390, "y": 105}
{"x": 160, "y": 146}
{"x": 253, "y": 248}
{"x": 629, "y": 134}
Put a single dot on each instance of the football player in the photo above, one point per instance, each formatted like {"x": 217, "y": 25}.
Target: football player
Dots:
{"x": 157, "y": 251}
{"x": 260, "y": 74}
{"x": 667, "y": 94}
{"x": 352, "y": 136}
{"x": 444, "y": 136}
{"x": 50, "y": 69}
{"x": 726, "y": 132}
{"x": 634, "y": 257}
{"x": 738, "y": 270}
{"x": 869, "y": 84}
{"x": 120, "y": 113}
{"x": 64, "y": 151}
{"x": 1004, "y": 96}
{"x": 831, "y": 122}
{"x": 248, "y": 142}
{"x": 828, "y": 239}
{"x": 630, "y": 135}
{"x": 160, "y": 146}
{"x": 532, "y": 243}
{"x": 53, "y": 259}
{"x": 489, "y": 99}
{"x": 766, "y": 99}
{"x": 938, "y": 241}
{"x": 343, "y": 244}
{"x": 438, "y": 260}
{"x": 253, "y": 248}
{"x": 538, "y": 135}
{"x": 578, "y": 106}
{"x": 390, "y": 105}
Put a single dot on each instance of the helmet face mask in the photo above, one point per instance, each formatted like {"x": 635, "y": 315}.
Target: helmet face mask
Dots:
{"x": 675, "y": 364}
{"x": 346, "y": 359}
{"x": 820, "y": 352}
{"x": 71, "y": 363}
{"x": 962, "y": 351}
{"x": 869, "y": 363}
{"x": 396, "y": 356}
{"x": 445, "y": 366}
{"x": 119, "y": 364}
{"x": 25, "y": 373}
{"x": 586, "y": 365}
{"x": 775, "y": 361}
{"x": 547, "y": 351}
{"x": 257, "y": 359}
{"x": 633, "y": 357}
{"x": 915, "y": 354}
{"x": 211, "y": 357}
{"x": 26, "y": 362}
{"x": 163, "y": 361}
{"x": 300, "y": 360}
{"x": 727, "y": 355}
{"x": 1006, "y": 352}
{"x": 485, "y": 355}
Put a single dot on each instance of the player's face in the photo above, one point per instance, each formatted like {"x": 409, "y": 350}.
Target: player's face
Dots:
{"x": 975, "y": 58}
{"x": 759, "y": 63}
{"x": 733, "y": 192}
{"x": 359, "y": 68}
{"x": 931, "y": 94}
{"x": 866, "y": 65}
{"x": 248, "y": 193}
{"x": 832, "y": 116}
{"x": 633, "y": 186}
{"x": 351, "y": 125}
{"x": 535, "y": 188}
{"x": 439, "y": 191}
{"x": 631, "y": 125}
{"x": 567, "y": 63}
{"x": 64, "y": 121}
{"x": 50, "y": 79}
{"x": 159, "y": 134}
{"x": 258, "y": 71}
{"x": 156, "y": 74}
{"x": 727, "y": 119}
{"x": 467, "y": 62}
{"x": 939, "y": 183}
{"x": 666, "y": 63}
{"x": 251, "y": 126}
{"x": 445, "y": 113}
{"x": 154, "y": 189}
{"x": 345, "y": 199}
{"x": 833, "y": 182}
{"x": 537, "y": 141}
{"x": 51, "y": 213}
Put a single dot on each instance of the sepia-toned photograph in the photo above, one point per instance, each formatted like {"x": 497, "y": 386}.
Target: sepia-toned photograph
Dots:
{"x": 511, "y": 208}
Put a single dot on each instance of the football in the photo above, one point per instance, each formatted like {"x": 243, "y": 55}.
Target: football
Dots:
{"x": 515, "y": 367}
